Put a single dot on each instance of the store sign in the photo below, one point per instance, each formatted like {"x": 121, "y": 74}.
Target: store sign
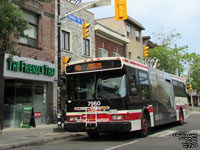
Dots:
{"x": 26, "y": 68}
{"x": 37, "y": 114}
{"x": 22, "y": 66}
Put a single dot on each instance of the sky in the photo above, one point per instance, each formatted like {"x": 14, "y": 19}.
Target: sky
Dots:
{"x": 163, "y": 16}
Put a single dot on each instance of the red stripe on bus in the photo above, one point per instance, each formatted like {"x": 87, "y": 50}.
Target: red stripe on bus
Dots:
{"x": 134, "y": 116}
{"x": 177, "y": 78}
{"x": 126, "y": 116}
{"x": 178, "y": 107}
{"x": 140, "y": 65}
{"x": 134, "y": 63}
{"x": 150, "y": 109}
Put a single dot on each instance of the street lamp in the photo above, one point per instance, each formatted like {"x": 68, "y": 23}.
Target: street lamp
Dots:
{"x": 191, "y": 71}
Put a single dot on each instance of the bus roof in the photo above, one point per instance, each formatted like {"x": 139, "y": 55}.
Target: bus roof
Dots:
{"x": 124, "y": 61}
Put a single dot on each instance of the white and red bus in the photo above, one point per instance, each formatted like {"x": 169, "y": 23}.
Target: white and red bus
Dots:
{"x": 119, "y": 95}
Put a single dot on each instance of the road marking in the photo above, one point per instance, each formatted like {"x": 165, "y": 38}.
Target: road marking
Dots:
{"x": 121, "y": 145}
{"x": 194, "y": 132}
{"x": 166, "y": 134}
{"x": 171, "y": 132}
{"x": 163, "y": 133}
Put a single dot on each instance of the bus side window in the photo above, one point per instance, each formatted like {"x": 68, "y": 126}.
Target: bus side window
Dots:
{"x": 132, "y": 85}
{"x": 182, "y": 89}
{"x": 144, "y": 83}
{"x": 132, "y": 80}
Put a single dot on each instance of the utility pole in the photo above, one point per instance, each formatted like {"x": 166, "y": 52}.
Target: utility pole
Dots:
{"x": 190, "y": 91}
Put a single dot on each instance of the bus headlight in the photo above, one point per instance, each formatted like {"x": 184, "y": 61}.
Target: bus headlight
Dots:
{"x": 117, "y": 117}
{"x": 73, "y": 119}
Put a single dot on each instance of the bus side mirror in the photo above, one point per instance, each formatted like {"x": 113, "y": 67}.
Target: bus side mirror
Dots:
{"x": 133, "y": 91}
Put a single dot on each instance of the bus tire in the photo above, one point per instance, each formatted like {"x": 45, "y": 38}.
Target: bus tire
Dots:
{"x": 144, "y": 125}
{"x": 93, "y": 134}
{"x": 181, "y": 117}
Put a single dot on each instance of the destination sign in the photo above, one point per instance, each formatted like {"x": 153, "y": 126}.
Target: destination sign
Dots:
{"x": 91, "y": 66}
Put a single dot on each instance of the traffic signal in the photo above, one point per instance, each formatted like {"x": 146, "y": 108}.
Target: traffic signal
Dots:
{"x": 64, "y": 61}
{"x": 120, "y": 10}
{"x": 146, "y": 51}
{"x": 85, "y": 30}
{"x": 190, "y": 87}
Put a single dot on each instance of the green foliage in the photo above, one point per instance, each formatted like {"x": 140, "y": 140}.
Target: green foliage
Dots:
{"x": 12, "y": 25}
{"x": 166, "y": 58}
{"x": 195, "y": 71}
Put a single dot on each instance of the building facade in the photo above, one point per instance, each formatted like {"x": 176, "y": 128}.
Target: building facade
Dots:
{"x": 28, "y": 78}
{"x": 71, "y": 40}
{"x": 109, "y": 43}
{"x": 132, "y": 30}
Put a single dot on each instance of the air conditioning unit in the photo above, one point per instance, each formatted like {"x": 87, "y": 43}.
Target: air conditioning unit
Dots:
{"x": 102, "y": 52}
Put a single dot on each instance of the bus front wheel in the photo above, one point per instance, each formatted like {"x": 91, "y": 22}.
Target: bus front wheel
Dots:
{"x": 144, "y": 126}
{"x": 181, "y": 118}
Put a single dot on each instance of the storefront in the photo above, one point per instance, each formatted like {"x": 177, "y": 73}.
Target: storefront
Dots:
{"x": 28, "y": 82}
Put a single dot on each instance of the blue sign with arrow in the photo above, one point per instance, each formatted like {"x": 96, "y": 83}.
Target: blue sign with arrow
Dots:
{"x": 74, "y": 18}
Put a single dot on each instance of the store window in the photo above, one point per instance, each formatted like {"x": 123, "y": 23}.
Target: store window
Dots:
{"x": 32, "y": 33}
{"x": 21, "y": 93}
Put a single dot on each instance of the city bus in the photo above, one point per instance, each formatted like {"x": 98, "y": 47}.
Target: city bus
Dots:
{"x": 115, "y": 94}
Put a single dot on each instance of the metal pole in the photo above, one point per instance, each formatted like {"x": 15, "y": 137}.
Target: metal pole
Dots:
{"x": 59, "y": 51}
{"x": 189, "y": 75}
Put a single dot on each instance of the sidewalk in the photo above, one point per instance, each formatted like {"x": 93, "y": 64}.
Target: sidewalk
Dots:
{"x": 17, "y": 137}
{"x": 195, "y": 110}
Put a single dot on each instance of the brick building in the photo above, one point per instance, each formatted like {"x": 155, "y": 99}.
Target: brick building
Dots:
{"x": 27, "y": 79}
{"x": 132, "y": 30}
{"x": 109, "y": 43}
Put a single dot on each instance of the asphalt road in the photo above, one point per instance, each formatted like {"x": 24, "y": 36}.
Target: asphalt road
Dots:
{"x": 167, "y": 137}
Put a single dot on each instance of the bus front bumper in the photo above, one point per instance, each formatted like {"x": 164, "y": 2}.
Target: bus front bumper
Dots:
{"x": 100, "y": 127}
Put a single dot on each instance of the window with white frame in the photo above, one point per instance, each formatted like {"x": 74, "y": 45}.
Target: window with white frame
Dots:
{"x": 115, "y": 54}
{"x": 66, "y": 40}
{"x": 32, "y": 33}
{"x": 128, "y": 31}
{"x": 86, "y": 47}
{"x": 137, "y": 35}
{"x": 102, "y": 52}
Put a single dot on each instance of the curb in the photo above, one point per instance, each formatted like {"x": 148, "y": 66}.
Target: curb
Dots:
{"x": 39, "y": 141}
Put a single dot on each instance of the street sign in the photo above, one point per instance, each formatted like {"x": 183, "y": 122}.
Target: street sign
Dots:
{"x": 74, "y": 18}
{"x": 27, "y": 118}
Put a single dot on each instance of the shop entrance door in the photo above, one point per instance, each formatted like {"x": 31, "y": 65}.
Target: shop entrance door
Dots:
{"x": 39, "y": 103}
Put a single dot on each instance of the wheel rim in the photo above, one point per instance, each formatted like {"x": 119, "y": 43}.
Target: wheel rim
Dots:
{"x": 181, "y": 118}
{"x": 144, "y": 124}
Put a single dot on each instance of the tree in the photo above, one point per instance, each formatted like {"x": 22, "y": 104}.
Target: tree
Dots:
{"x": 12, "y": 24}
{"x": 166, "y": 58}
{"x": 195, "y": 71}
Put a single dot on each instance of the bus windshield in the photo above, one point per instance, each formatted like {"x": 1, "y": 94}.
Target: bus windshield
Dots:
{"x": 98, "y": 85}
